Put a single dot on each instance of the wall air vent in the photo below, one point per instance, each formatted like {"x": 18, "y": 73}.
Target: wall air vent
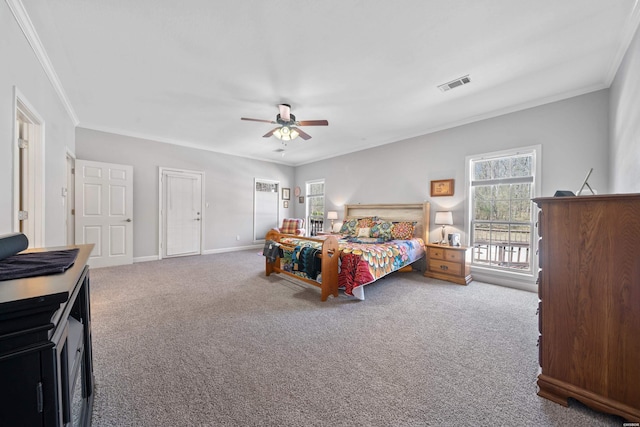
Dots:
{"x": 455, "y": 83}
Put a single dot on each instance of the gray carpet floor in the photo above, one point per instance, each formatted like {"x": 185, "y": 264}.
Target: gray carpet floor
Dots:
{"x": 211, "y": 341}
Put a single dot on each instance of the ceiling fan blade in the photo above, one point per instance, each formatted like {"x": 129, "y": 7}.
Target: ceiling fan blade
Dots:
{"x": 258, "y": 120}
{"x": 303, "y": 135}
{"x": 312, "y": 123}
{"x": 268, "y": 134}
{"x": 285, "y": 111}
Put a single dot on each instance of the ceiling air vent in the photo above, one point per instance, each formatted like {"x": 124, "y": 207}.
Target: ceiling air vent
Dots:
{"x": 455, "y": 83}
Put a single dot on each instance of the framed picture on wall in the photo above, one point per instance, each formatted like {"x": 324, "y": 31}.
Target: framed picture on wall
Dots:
{"x": 301, "y": 199}
{"x": 286, "y": 194}
{"x": 442, "y": 187}
{"x": 285, "y": 204}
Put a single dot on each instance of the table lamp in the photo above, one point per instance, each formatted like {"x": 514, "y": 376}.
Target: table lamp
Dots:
{"x": 332, "y": 215}
{"x": 444, "y": 218}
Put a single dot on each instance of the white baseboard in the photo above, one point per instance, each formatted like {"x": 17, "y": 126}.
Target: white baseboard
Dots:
{"x": 146, "y": 258}
{"x": 234, "y": 249}
{"x": 206, "y": 252}
{"x": 521, "y": 282}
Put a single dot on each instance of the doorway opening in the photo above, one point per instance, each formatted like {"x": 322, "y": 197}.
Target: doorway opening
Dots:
{"x": 69, "y": 200}
{"x": 28, "y": 190}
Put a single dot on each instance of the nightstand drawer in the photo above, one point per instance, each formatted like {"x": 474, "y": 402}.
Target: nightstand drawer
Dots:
{"x": 436, "y": 253}
{"x": 446, "y": 254}
{"x": 445, "y": 267}
{"x": 453, "y": 256}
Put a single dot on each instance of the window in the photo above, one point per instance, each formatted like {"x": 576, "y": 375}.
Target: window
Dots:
{"x": 265, "y": 207}
{"x": 315, "y": 206}
{"x": 501, "y": 211}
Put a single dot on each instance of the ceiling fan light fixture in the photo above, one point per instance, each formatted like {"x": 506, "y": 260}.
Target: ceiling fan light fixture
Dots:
{"x": 288, "y": 125}
{"x": 285, "y": 133}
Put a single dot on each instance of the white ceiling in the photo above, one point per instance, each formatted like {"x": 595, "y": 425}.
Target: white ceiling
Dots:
{"x": 185, "y": 72}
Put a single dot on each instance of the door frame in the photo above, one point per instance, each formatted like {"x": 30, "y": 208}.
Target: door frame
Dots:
{"x": 161, "y": 234}
{"x": 70, "y": 198}
{"x": 36, "y": 208}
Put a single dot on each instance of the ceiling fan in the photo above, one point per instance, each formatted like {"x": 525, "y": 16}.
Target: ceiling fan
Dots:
{"x": 288, "y": 129}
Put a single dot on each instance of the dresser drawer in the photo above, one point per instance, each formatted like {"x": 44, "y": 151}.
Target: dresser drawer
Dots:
{"x": 445, "y": 267}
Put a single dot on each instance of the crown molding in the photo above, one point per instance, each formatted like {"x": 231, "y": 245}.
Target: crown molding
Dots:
{"x": 23, "y": 20}
{"x": 628, "y": 32}
{"x": 172, "y": 141}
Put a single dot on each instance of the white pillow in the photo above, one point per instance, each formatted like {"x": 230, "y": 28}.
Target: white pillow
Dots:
{"x": 336, "y": 227}
{"x": 364, "y": 232}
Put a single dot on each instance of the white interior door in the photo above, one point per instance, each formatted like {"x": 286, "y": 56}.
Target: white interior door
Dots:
{"x": 181, "y": 212}
{"x": 104, "y": 211}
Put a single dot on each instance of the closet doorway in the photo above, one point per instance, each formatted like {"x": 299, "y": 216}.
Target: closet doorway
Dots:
{"x": 181, "y": 215}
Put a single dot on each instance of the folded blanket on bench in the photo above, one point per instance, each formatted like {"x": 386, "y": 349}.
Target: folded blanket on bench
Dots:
{"x": 37, "y": 264}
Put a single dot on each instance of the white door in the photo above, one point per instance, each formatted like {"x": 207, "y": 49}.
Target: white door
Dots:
{"x": 104, "y": 211}
{"x": 181, "y": 212}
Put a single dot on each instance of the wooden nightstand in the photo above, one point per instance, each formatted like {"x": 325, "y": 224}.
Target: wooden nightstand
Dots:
{"x": 448, "y": 263}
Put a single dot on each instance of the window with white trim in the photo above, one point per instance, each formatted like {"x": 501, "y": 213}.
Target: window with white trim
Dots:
{"x": 315, "y": 206}
{"x": 501, "y": 187}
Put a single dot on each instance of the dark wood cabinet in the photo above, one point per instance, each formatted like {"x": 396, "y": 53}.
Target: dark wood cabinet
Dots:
{"x": 46, "y": 363}
{"x": 589, "y": 291}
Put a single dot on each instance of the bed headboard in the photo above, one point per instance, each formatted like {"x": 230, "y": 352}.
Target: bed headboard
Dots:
{"x": 418, "y": 212}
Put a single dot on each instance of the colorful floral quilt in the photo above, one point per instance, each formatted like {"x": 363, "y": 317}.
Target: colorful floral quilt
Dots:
{"x": 376, "y": 260}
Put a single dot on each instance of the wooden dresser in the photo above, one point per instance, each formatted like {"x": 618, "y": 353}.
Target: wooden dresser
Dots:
{"x": 589, "y": 290}
{"x": 448, "y": 263}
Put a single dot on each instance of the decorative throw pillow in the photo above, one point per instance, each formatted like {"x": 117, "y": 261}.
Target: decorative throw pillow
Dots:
{"x": 364, "y": 232}
{"x": 403, "y": 230}
{"x": 349, "y": 227}
{"x": 290, "y": 225}
{"x": 382, "y": 230}
{"x": 366, "y": 222}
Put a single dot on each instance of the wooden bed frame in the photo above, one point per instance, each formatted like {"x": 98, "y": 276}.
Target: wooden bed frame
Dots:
{"x": 416, "y": 212}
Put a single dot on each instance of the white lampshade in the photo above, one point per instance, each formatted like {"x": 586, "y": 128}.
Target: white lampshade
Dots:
{"x": 444, "y": 218}
{"x": 332, "y": 215}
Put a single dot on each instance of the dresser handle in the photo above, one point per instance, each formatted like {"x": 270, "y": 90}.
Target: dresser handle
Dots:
{"x": 444, "y": 267}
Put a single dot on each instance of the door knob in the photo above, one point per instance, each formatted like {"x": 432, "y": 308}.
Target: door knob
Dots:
{"x": 128, "y": 219}
{"x": 197, "y": 219}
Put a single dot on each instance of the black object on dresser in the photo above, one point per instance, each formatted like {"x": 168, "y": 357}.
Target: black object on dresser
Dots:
{"x": 46, "y": 362}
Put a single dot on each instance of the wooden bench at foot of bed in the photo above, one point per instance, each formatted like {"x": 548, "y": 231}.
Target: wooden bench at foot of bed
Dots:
{"x": 330, "y": 255}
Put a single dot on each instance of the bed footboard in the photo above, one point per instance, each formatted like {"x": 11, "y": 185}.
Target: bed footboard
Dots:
{"x": 330, "y": 255}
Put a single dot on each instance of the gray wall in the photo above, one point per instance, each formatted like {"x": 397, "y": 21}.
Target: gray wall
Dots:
{"x": 625, "y": 123}
{"x": 228, "y": 186}
{"x": 21, "y": 68}
{"x": 573, "y": 134}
